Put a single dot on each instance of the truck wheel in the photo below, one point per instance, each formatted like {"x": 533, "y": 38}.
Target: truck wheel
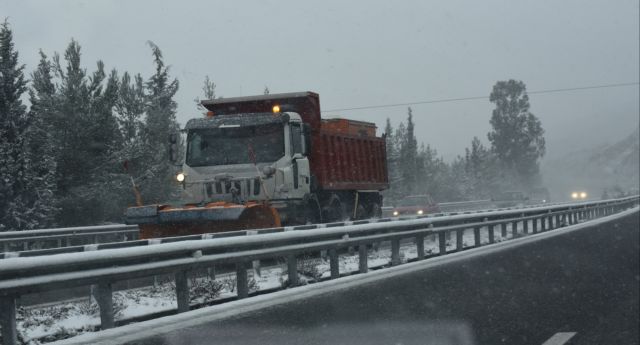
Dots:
{"x": 313, "y": 212}
{"x": 335, "y": 212}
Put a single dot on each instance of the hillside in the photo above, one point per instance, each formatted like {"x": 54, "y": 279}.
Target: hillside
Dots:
{"x": 596, "y": 169}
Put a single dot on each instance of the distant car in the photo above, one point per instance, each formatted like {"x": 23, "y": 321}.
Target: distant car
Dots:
{"x": 579, "y": 195}
{"x": 416, "y": 205}
{"x": 510, "y": 199}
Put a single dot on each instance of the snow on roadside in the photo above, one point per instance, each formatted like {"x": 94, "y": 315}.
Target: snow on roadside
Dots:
{"x": 43, "y": 324}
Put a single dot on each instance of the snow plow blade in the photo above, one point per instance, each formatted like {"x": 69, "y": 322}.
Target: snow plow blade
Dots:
{"x": 168, "y": 221}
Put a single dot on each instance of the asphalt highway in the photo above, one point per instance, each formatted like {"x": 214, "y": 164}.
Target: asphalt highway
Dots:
{"x": 580, "y": 287}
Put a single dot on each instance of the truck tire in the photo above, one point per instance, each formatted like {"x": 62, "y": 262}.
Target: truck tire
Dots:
{"x": 335, "y": 211}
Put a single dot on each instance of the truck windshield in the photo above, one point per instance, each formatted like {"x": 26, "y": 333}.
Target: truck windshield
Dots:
{"x": 235, "y": 145}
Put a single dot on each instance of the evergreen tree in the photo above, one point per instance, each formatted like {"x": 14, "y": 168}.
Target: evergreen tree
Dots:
{"x": 130, "y": 110}
{"x": 87, "y": 138}
{"x": 14, "y": 165}
{"x": 209, "y": 92}
{"x": 392, "y": 162}
{"x": 160, "y": 122}
{"x": 408, "y": 155}
{"x": 517, "y": 135}
{"x": 397, "y": 179}
{"x": 209, "y": 88}
{"x": 41, "y": 145}
{"x": 266, "y": 90}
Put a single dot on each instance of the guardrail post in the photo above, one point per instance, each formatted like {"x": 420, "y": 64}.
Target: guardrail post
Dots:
{"x": 442, "y": 243}
{"x": 514, "y": 229}
{"x": 491, "y": 235}
{"x": 182, "y": 291}
{"x": 8, "y": 320}
{"x": 503, "y": 227}
{"x": 476, "y": 236}
{"x": 333, "y": 263}
{"x": 104, "y": 297}
{"x": 292, "y": 270}
{"x": 363, "y": 266}
{"x": 459, "y": 239}
{"x": 420, "y": 246}
{"x": 395, "y": 252}
{"x": 543, "y": 227}
{"x": 525, "y": 225}
{"x": 25, "y": 245}
{"x": 242, "y": 280}
{"x": 534, "y": 225}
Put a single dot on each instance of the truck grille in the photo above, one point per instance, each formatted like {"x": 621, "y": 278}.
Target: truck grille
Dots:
{"x": 245, "y": 187}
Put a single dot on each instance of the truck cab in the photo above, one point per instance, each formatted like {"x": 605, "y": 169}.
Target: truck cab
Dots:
{"x": 247, "y": 157}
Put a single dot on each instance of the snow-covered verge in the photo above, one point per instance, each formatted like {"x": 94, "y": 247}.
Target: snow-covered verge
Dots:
{"x": 37, "y": 325}
{"x": 157, "y": 327}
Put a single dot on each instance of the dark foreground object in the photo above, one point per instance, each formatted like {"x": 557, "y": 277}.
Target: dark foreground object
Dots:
{"x": 586, "y": 282}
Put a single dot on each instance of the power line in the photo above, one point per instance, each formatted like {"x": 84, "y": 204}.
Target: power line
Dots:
{"x": 446, "y": 100}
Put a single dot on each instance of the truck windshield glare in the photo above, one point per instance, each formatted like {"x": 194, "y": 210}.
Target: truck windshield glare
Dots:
{"x": 230, "y": 145}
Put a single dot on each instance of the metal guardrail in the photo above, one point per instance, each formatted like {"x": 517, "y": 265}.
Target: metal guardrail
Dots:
{"x": 20, "y": 276}
{"x": 31, "y": 244}
{"x": 11, "y": 241}
{"x": 465, "y": 205}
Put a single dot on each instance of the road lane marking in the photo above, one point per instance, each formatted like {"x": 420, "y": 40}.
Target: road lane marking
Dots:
{"x": 559, "y": 338}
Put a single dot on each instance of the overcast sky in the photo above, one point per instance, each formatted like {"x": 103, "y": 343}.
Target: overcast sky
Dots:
{"x": 363, "y": 53}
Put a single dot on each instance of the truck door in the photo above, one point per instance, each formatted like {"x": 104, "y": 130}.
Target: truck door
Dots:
{"x": 300, "y": 163}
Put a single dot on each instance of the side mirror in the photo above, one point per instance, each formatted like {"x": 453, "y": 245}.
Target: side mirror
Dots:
{"x": 173, "y": 148}
{"x": 173, "y": 153}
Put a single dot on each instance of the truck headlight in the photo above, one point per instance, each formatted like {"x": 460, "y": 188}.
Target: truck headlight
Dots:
{"x": 180, "y": 177}
{"x": 420, "y": 212}
{"x": 395, "y": 213}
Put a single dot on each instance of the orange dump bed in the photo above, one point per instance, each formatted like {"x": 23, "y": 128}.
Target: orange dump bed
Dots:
{"x": 347, "y": 155}
{"x": 349, "y": 127}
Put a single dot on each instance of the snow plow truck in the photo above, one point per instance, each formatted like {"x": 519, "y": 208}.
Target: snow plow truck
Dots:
{"x": 267, "y": 161}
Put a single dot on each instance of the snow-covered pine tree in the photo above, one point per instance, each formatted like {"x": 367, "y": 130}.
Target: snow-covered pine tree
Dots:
{"x": 86, "y": 136}
{"x": 160, "y": 122}
{"x": 392, "y": 159}
{"x": 40, "y": 147}
{"x": 13, "y": 124}
{"x": 130, "y": 110}
{"x": 408, "y": 156}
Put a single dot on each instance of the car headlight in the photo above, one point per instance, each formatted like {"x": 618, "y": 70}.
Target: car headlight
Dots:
{"x": 574, "y": 195}
{"x": 180, "y": 177}
{"x": 420, "y": 212}
{"x": 583, "y": 195}
{"x": 395, "y": 213}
